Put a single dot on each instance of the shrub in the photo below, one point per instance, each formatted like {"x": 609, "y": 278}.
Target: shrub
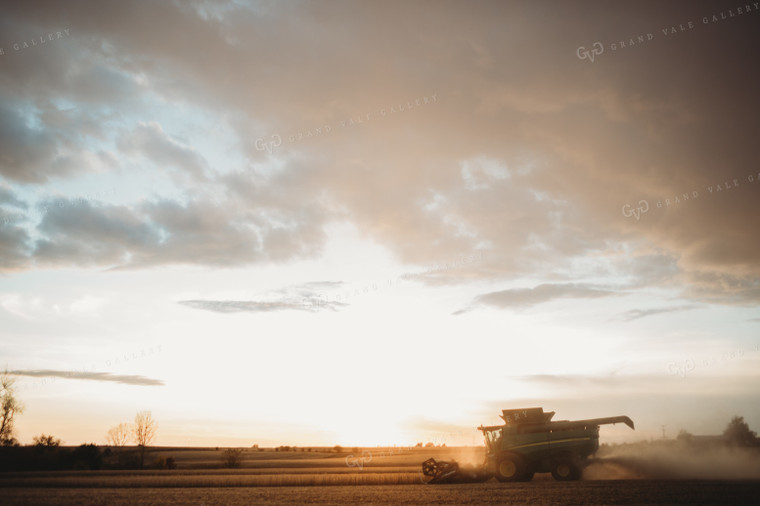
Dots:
{"x": 86, "y": 456}
{"x": 161, "y": 462}
{"x": 232, "y": 457}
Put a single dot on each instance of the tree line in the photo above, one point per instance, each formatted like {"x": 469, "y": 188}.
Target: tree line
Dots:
{"x": 46, "y": 453}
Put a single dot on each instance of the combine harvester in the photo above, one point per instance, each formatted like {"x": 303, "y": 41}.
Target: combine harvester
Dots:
{"x": 528, "y": 443}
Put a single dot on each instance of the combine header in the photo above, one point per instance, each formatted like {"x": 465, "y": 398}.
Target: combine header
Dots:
{"x": 527, "y": 443}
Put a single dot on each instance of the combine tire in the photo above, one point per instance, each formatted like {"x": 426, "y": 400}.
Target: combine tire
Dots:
{"x": 565, "y": 468}
{"x": 512, "y": 467}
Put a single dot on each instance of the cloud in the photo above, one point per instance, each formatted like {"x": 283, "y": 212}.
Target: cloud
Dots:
{"x": 526, "y": 154}
{"x": 150, "y": 141}
{"x": 635, "y": 385}
{"x": 160, "y": 232}
{"x": 237, "y": 306}
{"x": 8, "y": 197}
{"x": 92, "y": 376}
{"x": 86, "y": 234}
{"x": 518, "y": 298}
{"x": 15, "y": 244}
{"x": 635, "y": 314}
{"x": 26, "y": 151}
{"x": 305, "y": 297}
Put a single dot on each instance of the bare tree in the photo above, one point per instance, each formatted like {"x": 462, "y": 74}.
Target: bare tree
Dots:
{"x": 144, "y": 431}
{"x": 119, "y": 435}
{"x": 9, "y": 408}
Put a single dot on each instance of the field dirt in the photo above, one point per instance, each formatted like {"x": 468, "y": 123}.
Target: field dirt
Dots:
{"x": 541, "y": 492}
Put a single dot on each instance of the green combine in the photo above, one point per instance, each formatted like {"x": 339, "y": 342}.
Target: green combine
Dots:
{"x": 529, "y": 442}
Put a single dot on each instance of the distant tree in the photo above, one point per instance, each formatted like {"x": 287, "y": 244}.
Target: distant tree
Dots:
{"x": 337, "y": 448}
{"x": 737, "y": 433}
{"x": 232, "y": 457}
{"x": 161, "y": 462}
{"x": 46, "y": 441}
{"x": 9, "y": 408}
{"x": 429, "y": 445}
{"x": 144, "y": 431}
{"x": 685, "y": 436}
{"x": 119, "y": 435}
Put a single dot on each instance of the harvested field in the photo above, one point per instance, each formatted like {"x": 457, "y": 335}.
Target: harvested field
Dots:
{"x": 543, "y": 492}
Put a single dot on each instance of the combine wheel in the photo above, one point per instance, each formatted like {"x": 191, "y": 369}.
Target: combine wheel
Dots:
{"x": 511, "y": 467}
{"x": 566, "y": 468}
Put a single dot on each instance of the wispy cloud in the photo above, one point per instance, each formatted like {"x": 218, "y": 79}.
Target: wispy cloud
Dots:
{"x": 241, "y": 306}
{"x": 517, "y": 298}
{"x": 635, "y": 314}
{"x": 127, "y": 379}
{"x": 295, "y": 298}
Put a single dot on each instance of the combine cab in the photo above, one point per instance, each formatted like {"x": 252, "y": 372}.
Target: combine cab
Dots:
{"x": 529, "y": 442}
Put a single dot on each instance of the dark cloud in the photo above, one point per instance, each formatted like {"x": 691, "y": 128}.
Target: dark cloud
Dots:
{"x": 15, "y": 240}
{"x": 527, "y": 153}
{"x": 81, "y": 233}
{"x": 15, "y": 245}
{"x": 92, "y": 376}
{"x": 27, "y": 152}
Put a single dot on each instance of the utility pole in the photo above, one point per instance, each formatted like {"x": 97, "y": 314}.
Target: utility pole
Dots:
{"x": 663, "y": 431}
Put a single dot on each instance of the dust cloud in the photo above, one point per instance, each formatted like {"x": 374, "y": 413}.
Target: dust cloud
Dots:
{"x": 468, "y": 456}
{"x": 674, "y": 460}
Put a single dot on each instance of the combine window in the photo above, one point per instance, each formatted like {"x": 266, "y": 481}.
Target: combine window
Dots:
{"x": 492, "y": 437}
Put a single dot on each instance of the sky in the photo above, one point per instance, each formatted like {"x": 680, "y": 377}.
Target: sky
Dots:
{"x": 378, "y": 223}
